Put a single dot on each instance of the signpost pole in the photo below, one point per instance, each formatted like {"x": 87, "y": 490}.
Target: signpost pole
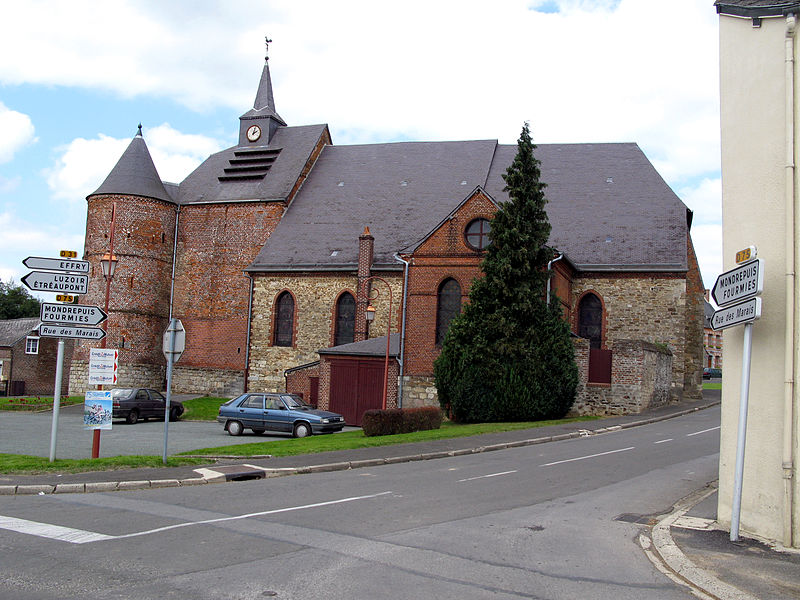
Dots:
{"x": 742, "y": 433}
{"x": 57, "y": 398}
{"x": 170, "y": 362}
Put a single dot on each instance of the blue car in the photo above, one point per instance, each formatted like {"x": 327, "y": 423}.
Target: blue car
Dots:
{"x": 276, "y": 412}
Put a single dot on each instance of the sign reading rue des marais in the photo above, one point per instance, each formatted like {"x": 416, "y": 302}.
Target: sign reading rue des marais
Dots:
{"x": 736, "y": 314}
{"x": 71, "y": 331}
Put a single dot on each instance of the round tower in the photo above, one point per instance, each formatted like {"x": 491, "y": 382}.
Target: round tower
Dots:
{"x": 133, "y": 215}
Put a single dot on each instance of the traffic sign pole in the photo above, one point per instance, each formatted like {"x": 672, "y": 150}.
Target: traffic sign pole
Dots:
{"x": 57, "y": 399}
{"x": 736, "y": 509}
{"x": 172, "y": 332}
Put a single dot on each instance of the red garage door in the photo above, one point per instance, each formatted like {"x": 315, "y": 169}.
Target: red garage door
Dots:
{"x": 356, "y": 386}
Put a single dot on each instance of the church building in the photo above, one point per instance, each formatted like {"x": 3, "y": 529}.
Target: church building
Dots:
{"x": 274, "y": 253}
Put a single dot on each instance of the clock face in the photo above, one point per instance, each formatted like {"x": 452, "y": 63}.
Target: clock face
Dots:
{"x": 253, "y": 133}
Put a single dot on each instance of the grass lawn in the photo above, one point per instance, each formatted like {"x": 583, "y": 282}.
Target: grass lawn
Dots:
{"x": 202, "y": 409}
{"x": 36, "y": 402}
{"x": 24, "y": 464}
{"x": 707, "y": 385}
{"x": 349, "y": 440}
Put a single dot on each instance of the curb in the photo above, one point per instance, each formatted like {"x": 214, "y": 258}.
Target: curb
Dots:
{"x": 210, "y": 476}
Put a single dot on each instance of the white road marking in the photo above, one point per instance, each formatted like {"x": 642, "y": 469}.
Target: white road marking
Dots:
{"x": 558, "y": 462}
{"x": 78, "y": 536}
{"x": 704, "y": 431}
{"x": 486, "y": 476}
{"x": 663, "y": 441}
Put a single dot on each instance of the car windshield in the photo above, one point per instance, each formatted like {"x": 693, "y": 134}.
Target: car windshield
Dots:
{"x": 294, "y": 402}
{"x": 121, "y": 393}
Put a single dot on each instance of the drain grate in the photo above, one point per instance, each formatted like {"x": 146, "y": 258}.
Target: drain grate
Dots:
{"x": 638, "y": 519}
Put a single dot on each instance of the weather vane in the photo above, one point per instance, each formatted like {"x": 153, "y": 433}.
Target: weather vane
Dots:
{"x": 267, "y": 42}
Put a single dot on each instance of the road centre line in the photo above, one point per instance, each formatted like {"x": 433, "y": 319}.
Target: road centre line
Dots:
{"x": 558, "y": 462}
{"x": 486, "y": 476}
{"x": 663, "y": 441}
{"x": 704, "y": 431}
{"x": 79, "y": 536}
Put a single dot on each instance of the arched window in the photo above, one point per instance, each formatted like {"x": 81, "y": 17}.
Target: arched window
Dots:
{"x": 590, "y": 320}
{"x": 345, "y": 320}
{"x": 477, "y": 234}
{"x": 448, "y": 305}
{"x": 284, "y": 320}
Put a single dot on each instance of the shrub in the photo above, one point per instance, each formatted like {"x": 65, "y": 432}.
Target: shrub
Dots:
{"x": 401, "y": 420}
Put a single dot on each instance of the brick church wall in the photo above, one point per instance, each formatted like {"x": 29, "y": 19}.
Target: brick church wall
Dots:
{"x": 315, "y": 297}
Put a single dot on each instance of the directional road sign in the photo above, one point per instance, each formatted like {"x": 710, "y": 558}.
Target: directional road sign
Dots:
{"x": 72, "y": 314}
{"x": 103, "y": 366}
{"x": 737, "y": 314}
{"x": 743, "y": 282}
{"x": 56, "y": 264}
{"x": 41, "y": 281}
{"x": 174, "y": 349}
{"x": 72, "y": 331}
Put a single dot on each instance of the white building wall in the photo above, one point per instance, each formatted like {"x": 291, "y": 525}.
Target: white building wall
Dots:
{"x": 753, "y": 124}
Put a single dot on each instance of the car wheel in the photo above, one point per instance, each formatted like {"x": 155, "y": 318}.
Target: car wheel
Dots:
{"x": 132, "y": 417}
{"x": 174, "y": 413}
{"x": 302, "y": 430}
{"x": 235, "y": 428}
{"x": 259, "y": 431}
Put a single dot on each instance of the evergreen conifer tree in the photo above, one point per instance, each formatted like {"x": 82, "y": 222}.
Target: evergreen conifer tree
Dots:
{"x": 508, "y": 356}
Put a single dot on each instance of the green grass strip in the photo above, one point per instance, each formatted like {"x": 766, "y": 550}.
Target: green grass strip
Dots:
{"x": 31, "y": 465}
{"x": 707, "y": 385}
{"x": 350, "y": 440}
{"x": 202, "y": 409}
{"x": 36, "y": 402}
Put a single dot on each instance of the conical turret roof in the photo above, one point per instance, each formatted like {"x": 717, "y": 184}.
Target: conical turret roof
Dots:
{"x": 135, "y": 174}
{"x": 264, "y": 105}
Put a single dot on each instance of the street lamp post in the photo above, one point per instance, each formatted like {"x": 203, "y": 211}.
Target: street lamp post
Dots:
{"x": 108, "y": 264}
{"x": 370, "y": 316}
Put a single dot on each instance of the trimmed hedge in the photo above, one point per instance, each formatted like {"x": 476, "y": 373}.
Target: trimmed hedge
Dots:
{"x": 401, "y": 420}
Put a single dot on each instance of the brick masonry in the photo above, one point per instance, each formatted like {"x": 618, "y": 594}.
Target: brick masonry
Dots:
{"x": 37, "y": 371}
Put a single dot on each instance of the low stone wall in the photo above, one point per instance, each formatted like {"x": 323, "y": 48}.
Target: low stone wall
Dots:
{"x": 223, "y": 383}
{"x": 146, "y": 376}
{"x": 419, "y": 391}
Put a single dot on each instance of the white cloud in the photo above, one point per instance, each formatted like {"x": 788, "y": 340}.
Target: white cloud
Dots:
{"x": 9, "y": 184}
{"x": 17, "y": 131}
{"x": 84, "y": 164}
{"x": 705, "y": 200}
{"x": 707, "y": 240}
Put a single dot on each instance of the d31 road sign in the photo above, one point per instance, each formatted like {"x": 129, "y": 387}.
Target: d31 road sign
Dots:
{"x": 72, "y": 331}
{"x": 56, "y": 264}
{"x": 72, "y": 314}
{"x": 42, "y": 281}
{"x": 743, "y": 282}
{"x": 737, "y": 314}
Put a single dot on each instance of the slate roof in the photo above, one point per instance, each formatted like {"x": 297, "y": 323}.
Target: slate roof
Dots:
{"x": 371, "y": 347}
{"x": 708, "y": 314}
{"x": 13, "y": 330}
{"x": 608, "y": 206}
{"x": 756, "y": 8}
{"x": 135, "y": 174}
{"x": 295, "y": 145}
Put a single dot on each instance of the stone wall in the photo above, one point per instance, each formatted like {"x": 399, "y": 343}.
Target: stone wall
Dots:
{"x": 223, "y": 383}
{"x": 315, "y": 297}
{"x": 129, "y": 375}
{"x": 419, "y": 391}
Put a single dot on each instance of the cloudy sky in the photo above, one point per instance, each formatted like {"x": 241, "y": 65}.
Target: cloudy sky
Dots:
{"x": 78, "y": 77}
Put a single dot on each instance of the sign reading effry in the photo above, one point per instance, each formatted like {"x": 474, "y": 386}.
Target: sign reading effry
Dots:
{"x": 56, "y": 264}
{"x": 737, "y": 314}
{"x": 43, "y": 281}
{"x": 71, "y": 331}
{"x": 103, "y": 366}
{"x": 72, "y": 314}
{"x": 745, "y": 281}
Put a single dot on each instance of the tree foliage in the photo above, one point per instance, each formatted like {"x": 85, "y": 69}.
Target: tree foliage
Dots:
{"x": 509, "y": 356}
{"x": 16, "y": 302}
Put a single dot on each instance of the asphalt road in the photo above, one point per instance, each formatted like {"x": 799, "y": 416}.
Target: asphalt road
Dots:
{"x": 29, "y": 433}
{"x": 551, "y": 521}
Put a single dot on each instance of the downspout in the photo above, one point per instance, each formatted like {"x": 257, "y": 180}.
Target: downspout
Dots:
{"x": 549, "y": 268}
{"x": 791, "y": 339}
{"x": 249, "y": 323}
{"x": 402, "y": 358}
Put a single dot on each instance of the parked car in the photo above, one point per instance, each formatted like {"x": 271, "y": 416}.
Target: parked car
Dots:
{"x": 133, "y": 404}
{"x": 709, "y": 373}
{"x": 276, "y": 412}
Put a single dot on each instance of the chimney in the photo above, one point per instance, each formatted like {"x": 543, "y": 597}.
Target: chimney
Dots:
{"x": 366, "y": 249}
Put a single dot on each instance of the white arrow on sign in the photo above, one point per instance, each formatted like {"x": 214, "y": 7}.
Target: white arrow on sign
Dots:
{"x": 72, "y": 314}
{"x": 744, "y": 281}
{"x": 72, "y": 331}
{"x": 738, "y": 314}
{"x": 42, "y": 281}
{"x": 56, "y": 264}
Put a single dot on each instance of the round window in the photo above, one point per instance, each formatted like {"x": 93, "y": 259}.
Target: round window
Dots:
{"x": 477, "y": 234}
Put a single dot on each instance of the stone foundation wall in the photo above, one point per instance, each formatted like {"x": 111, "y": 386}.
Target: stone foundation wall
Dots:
{"x": 419, "y": 391}
{"x": 223, "y": 383}
{"x": 146, "y": 376}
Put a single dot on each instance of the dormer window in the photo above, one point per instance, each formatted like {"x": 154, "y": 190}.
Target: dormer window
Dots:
{"x": 477, "y": 234}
